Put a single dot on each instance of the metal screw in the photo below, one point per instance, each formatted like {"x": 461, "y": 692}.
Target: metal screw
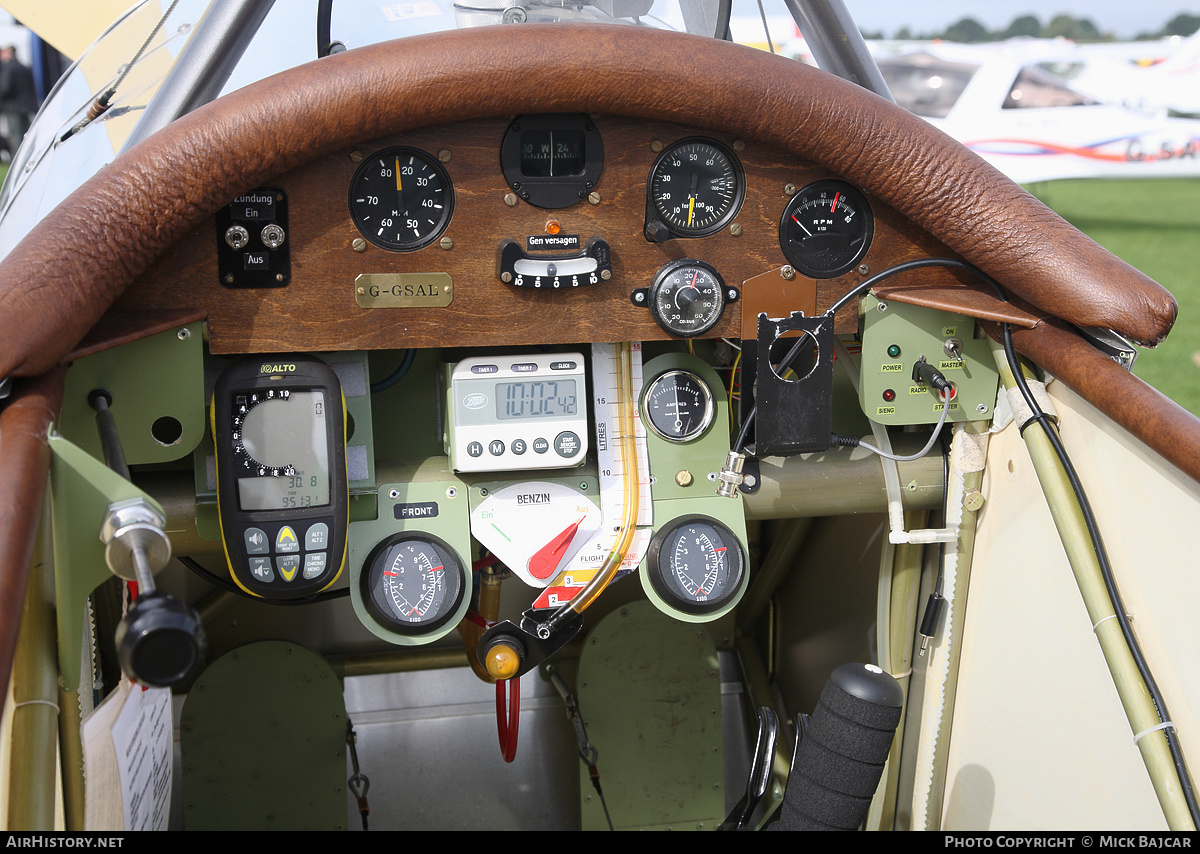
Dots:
{"x": 393, "y": 493}
{"x": 789, "y": 189}
{"x": 739, "y": 145}
{"x": 639, "y": 297}
{"x": 451, "y": 491}
{"x": 183, "y": 334}
{"x": 444, "y": 156}
{"x": 973, "y": 500}
{"x": 863, "y": 269}
{"x": 279, "y": 277}
{"x": 736, "y": 229}
{"x": 356, "y": 156}
{"x": 683, "y": 478}
{"x": 446, "y": 243}
{"x": 606, "y": 274}
{"x": 229, "y": 278}
{"x": 882, "y": 306}
{"x": 359, "y": 245}
{"x": 510, "y": 199}
{"x": 594, "y": 197}
{"x": 982, "y": 407}
{"x": 656, "y": 145}
{"x": 788, "y": 272}
{"x": 506, "y": 277}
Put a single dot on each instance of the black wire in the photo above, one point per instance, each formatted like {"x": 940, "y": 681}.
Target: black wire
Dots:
{"x": 1085, "y": 508}
{"x": 396, "y": 375}
{"x": 324, "y": 14}
{"x": 224, "y": 584}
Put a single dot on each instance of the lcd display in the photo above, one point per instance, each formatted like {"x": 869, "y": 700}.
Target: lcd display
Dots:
{"x": 536, "y": 399}
{"x": 288, "y": 436}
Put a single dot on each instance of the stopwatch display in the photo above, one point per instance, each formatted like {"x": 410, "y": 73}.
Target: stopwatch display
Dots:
{"x": 696, "y": 564}
{"x": 696, "y": 187}
{"x": 687, "y": 297}
{"x": 826, "y": 229}
{"x": 412, "y": 583}
{"x": 678, "y": 406}
{"x": 401, "y": 199}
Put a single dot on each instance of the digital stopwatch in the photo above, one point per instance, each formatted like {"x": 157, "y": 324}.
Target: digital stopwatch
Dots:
{"x": 279, "y": 427}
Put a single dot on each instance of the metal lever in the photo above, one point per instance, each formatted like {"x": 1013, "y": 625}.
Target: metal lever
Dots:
{"x": 160, "y": 641}
{"x": 760, "y": 771}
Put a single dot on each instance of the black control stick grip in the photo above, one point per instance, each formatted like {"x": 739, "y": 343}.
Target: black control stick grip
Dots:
{"x": 840, "y": 759}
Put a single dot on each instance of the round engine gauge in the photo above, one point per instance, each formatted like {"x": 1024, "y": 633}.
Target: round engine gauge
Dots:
{"x": 687, "y": 297}
{"x": 696, "y": 565}
{"x": 678, "y": 406}
{"x": 401, "y": 199}
{"x": 412, "y": 583}
{"x": 826, "y": 229}
{"x": 696, "y": 187}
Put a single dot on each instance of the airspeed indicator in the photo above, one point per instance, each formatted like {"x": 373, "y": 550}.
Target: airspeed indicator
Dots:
{"x": 401, "y": 199}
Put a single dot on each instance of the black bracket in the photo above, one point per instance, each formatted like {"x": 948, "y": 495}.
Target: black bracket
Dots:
{"x": 794, "y": 396}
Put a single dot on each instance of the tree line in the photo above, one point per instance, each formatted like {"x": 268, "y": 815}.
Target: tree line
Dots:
{"x": 1060, "y": 26}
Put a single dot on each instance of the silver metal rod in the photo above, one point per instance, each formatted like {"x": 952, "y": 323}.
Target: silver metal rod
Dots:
{"x": 837, "y": 44}
{"x": 204, "y": 64}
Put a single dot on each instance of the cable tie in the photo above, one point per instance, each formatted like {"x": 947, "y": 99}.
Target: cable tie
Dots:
{"x": 49, "y": 703}
{"x": 1163, "y": 725}
{"x": 1105, "y": 619}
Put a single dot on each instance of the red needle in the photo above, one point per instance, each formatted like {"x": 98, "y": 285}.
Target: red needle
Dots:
{"x": 836, "y": 196}
{"x": 546, "y": 559}
{"x": 695, "y": 275}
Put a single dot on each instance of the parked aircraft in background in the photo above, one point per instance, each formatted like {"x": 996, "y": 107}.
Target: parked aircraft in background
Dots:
{"x": 1005, "y": 102}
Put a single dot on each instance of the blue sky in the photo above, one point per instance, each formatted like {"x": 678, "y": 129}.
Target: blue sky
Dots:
{"x": 1122, "y": 17}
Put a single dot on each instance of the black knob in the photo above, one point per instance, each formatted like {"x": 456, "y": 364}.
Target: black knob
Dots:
{"x": 160, "y": 642}
{"x": 657, "y": 232}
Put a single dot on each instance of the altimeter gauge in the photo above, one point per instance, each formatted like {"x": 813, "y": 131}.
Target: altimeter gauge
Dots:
{"x": 695, "y": 189}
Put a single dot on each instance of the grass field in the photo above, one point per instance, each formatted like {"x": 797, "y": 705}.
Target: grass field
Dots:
{"x": 1155, "y": 226}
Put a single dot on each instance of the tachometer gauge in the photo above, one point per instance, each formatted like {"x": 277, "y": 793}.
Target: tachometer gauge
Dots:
{"x": 687, "y": 297}
{"x": 678, "y": 406}
{"x": 401, "y": 199}
{"x": 412, "y": 583}
{"x": 696, "y": 187}
{"x": 696, "y": 565}
{"x": 826, "y": 229}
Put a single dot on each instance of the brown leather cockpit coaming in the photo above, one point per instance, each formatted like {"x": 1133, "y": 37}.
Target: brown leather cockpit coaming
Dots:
{"x": 139, "y": 206}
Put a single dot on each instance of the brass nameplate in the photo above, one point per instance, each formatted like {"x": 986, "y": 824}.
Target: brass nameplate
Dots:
{"x": 403, "y": 290}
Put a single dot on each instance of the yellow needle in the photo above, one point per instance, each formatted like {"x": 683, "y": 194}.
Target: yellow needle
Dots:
{"x": 398, "y": 184}
{"x": 691, "y": 207}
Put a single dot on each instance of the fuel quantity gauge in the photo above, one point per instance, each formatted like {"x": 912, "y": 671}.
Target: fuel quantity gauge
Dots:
{"x": 826, "y": 229}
